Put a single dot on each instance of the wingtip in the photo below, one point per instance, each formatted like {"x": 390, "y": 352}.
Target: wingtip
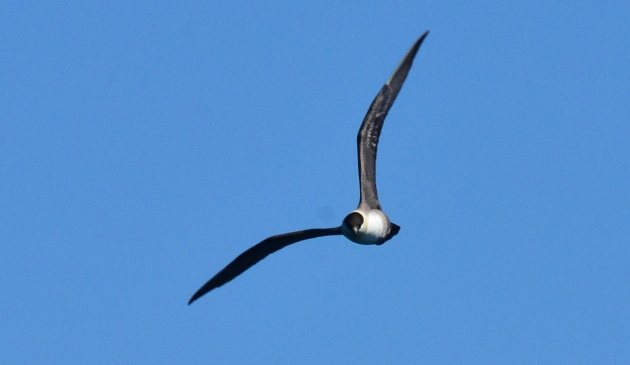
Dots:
{"x": 191, "y": 300}
{"x": 420, "y": 40}
{"x": 400, "y": 73}
{"x": 196, "y": 296}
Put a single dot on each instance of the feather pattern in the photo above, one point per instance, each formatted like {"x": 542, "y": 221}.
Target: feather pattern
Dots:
{"x": 370, "y": 131}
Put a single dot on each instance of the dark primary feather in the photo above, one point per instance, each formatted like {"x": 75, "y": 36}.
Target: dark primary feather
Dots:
{"x": 258, "y": 252}
{"x": 370, "y": 131}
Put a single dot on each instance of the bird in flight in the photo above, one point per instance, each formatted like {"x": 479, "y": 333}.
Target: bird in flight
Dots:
{"x": 368, "y": 224}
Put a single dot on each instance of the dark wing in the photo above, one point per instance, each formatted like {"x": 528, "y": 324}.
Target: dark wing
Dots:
{"x": 258, "y": 252}
{"x": 370, "y": 131}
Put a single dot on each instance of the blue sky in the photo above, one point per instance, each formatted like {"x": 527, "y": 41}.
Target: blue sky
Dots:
{"x": 145, "y": 145}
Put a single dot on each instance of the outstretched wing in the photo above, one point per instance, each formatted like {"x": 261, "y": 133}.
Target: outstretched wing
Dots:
{"x": 258, "y": 252}
{"x": 370, "y": 131}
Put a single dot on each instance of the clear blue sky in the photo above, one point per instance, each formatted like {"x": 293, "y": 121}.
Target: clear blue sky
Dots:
{"x": 143, "y": 145}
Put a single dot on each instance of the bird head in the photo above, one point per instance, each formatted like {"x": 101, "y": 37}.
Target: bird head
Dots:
{"x": 353, "y": 222}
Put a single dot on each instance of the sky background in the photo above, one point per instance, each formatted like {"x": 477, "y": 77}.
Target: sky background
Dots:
{"x": 143, "y": 145}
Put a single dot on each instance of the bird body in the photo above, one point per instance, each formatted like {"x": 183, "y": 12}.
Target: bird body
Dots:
{"x": 368, "y": 224}
{"x": 374, "y": 227}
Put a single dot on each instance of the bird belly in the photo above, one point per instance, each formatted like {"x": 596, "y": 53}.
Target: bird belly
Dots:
{"x": 373, "y": 231}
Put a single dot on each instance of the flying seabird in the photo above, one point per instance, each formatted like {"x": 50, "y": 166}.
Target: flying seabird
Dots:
{"x": 368, "y": 224}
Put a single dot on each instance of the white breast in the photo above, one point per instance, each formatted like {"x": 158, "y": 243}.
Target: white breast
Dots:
{"x": 374, "y": 229}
